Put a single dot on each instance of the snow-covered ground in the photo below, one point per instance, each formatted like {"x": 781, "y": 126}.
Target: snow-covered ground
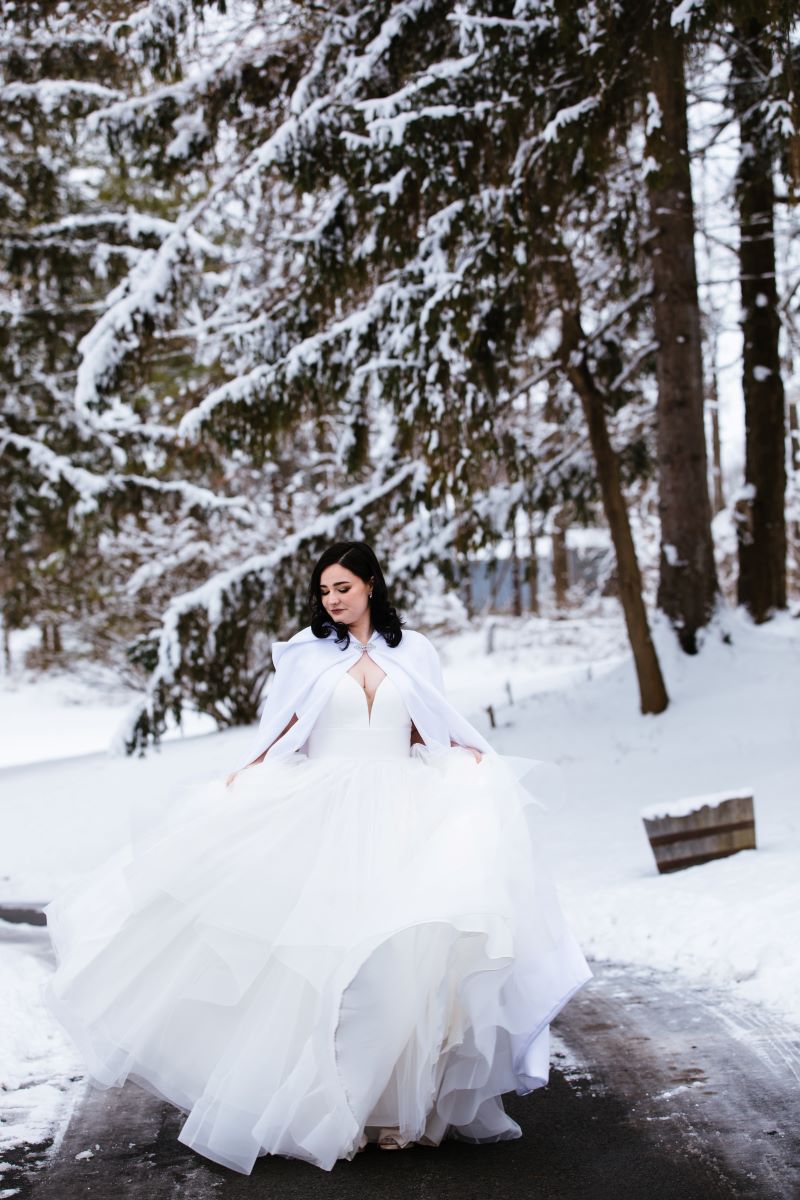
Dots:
{"x": 38, "y": 1066}
{"x": 65, "y": 716}
{"x": 733, "y": 724}
{"x": 563, "y": 691}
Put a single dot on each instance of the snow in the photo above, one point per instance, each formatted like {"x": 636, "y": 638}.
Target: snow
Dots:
{"x": 682, "y": 14}
{"x": 89, "y": 485}
{"x": 561, "y": 690}
{"x": 734, "y": 716}
{"x": 38, "y": 1066}
{"x": 693, "y": 804}
{"x": 51, "y": 94}
{"x": 61, "y": 717}
{"x": 566, "y": 116}
{"x": 653, "y": 120}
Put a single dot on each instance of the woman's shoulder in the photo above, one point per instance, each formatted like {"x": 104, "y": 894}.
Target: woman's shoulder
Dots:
{"x": 415, "y": 639}
{"x": 303, "y": 637}
{"x": 306, "y": 634}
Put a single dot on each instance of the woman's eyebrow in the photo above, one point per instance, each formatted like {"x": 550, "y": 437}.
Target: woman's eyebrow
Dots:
{"x": 338, "y": 583}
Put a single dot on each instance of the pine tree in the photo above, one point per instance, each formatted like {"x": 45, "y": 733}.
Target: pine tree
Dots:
{"x": 78, "y": 228}
{"x": 688, "y": 583}
{"x": 422, "y": 283}
{"x": 359, "y": 278}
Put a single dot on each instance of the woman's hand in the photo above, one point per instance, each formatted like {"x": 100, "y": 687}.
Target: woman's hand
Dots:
{"x": 231, "y": 778}
{"x": 476, "y": 754}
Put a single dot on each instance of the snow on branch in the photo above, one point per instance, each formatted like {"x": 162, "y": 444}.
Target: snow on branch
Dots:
{"x": 184, "y": 94}
{"x": 135, "y": 224}
{"x": 50, "y": 94}
{"x": 90, "y": 485}
{"x": 386, "y": 106}
{"x": 142, "y": 291}
{"x": 306, "y": 108}
{"x": 57, "y": 467}
{"x": 480, "y": 21}
{"x": 361, "y": 67}
{"x": 568, "y": 116}
{"x": 304, "y": 354}
{"x": 683, "y": 13}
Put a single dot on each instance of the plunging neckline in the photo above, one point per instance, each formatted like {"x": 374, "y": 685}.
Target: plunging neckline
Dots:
{"x": 364, "y": 690}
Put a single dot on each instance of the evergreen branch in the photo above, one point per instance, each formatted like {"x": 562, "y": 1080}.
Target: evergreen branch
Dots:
{"x": 203, "y": 607}
{"x": 90, "y": 486}
{"x": 50, "y": 93}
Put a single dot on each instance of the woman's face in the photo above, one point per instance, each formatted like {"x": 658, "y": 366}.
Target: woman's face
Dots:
{"x": 344, "y": 595}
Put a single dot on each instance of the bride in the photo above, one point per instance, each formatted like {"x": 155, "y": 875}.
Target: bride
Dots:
{"x": 354, "y": 940}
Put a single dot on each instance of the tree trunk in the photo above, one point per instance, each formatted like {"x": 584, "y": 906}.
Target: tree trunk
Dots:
{"x": 560, "y": 562}
{"x": 717, "y": 491}
{"x": 794, "y": 436}
{"x": 652, "y": 692}
{"x": 5, "y": 648}
{"x": 688, "y": 581}
{"x": 516, "y": 577}
{"x": 533, "y": 568}
{"x": 762, "y": 529}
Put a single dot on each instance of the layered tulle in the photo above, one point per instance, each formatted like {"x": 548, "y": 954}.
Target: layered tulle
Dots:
{"x": 330, "y": 946}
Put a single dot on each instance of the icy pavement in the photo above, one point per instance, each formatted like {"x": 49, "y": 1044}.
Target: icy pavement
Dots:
{"x": 659, "y": 1088}
{"x": 39, "y": 1069}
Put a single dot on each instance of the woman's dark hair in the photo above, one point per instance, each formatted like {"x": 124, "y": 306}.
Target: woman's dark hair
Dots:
{"x": 359, "y": 558}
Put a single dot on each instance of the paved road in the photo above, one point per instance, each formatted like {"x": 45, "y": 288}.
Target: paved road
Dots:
{"x": 659, "y": 1091}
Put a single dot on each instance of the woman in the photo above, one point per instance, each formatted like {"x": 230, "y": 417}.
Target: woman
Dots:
{"x": 355, "y": 941}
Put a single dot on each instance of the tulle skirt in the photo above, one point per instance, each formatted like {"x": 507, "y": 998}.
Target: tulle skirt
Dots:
{"x": 328, "y": 947}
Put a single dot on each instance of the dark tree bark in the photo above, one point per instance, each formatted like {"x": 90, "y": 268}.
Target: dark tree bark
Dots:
{"x": 533, "y": 568}
{"x": 560, "y": 562}
{"x": 762, "y": 526}
{"x": 716, "y": 460}
{"x": 516, "y": 578}
{"x": 652, "y": 691}
{"x": 688, "y": 581}
{"x": 717, "y": 490}
{"x": 794, "y": 436}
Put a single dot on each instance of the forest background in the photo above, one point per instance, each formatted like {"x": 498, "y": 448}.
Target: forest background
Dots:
{"x": 442, "y": 276}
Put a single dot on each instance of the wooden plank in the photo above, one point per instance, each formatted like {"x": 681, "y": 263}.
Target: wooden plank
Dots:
{"x": 710, "y": 831}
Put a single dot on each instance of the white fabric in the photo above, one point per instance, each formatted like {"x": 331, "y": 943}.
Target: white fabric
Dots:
{"x": 365, "y": 935}
{"x": 307, "y": 669}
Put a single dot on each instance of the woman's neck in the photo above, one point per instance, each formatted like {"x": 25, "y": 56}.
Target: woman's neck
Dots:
{"x": 361, "y": 629}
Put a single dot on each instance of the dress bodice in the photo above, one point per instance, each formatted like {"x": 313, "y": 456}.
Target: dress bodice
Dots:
{"x": 345, "y": 726}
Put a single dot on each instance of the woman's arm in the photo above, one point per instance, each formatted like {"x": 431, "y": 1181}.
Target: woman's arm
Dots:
{"x": 264, "y": 753}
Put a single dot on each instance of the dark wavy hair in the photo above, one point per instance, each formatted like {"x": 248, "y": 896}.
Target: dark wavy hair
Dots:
{"x": 359, "y": 558}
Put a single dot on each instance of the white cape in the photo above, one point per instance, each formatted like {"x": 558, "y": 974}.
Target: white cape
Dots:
{"x": 307, "y": 669}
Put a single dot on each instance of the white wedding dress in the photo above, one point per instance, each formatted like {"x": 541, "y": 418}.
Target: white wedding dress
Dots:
{"x": 362, "y": 935}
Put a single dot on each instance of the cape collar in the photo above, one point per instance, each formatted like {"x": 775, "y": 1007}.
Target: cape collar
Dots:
{"x": 306, "y": 637}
